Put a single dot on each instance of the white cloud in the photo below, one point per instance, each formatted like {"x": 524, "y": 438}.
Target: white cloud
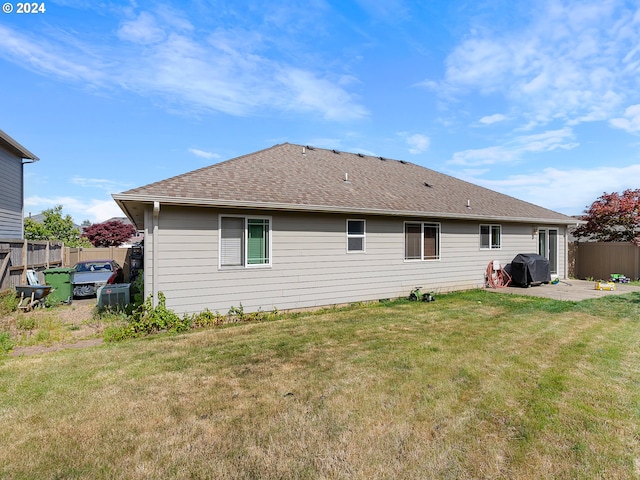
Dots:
{"x": 491, "y": 119}
{"x": 631, "y": 120}
{"x": 418, "y": 143}
{"x": 50, "y": 58}
{"x": 568, "y": 191}
{"x": 513, "y": 151}
{"x": 574, "y": 61}
{"x": 143, "y": 30}
{"x": 100, "y": 183}
{"x": 308, "y": 92}
{"x": 204, "y": 154}
{"x": 160, "y": 54}
{"x": 93, "y": 209}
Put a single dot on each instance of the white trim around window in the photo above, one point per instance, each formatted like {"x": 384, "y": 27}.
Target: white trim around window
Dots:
{"x": 490, "y": 237}
{"x": 244, "y": 241}
{"x": 356, "y": 235}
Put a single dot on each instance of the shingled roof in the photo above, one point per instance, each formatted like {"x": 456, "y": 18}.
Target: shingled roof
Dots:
{"x": 302, "y": 178}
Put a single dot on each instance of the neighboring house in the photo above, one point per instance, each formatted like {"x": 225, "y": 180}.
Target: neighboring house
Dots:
{"x": 294, "y": 227}
{"x": 39, "y": 218}
{"x": 12, "y": 157}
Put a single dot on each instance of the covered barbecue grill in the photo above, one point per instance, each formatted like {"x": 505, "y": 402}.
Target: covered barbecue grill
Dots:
{"x": 528, "y": 269}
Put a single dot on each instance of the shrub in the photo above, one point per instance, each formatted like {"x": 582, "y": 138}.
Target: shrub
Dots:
{"x": 147, "y": 319}
{"x": 206, "y": 319}
{"x": 137, "y": 289}
{"x": 8, "y": 302}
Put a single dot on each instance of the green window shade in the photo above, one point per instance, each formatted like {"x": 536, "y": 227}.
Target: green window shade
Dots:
{"x": 257, "y": 242}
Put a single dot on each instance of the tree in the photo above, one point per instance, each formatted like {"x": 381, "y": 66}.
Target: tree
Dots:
{"x": 54, "y": 227}
{"x": 112, "y": 233}
{"x": 613, "y": 217}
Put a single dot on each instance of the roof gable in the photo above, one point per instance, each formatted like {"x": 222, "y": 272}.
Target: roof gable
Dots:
{"x": 295, "y": 177}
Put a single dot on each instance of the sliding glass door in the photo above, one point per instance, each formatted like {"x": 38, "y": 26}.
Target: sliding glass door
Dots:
{"x": 548, "y": 247}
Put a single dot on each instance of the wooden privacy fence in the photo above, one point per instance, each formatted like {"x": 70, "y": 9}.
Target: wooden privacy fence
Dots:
{"x": 17, "y": 256}
{"x": 120, "y": 255}
{"x": 598, "y": 260}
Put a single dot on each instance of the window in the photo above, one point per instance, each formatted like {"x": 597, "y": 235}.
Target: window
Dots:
{"x": 490, "y": 236}
{"x": 355, "y": 235}
{"x": 421, "y": 241}
{"x": 245, "y": 242}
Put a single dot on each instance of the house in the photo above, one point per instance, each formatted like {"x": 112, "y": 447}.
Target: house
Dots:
{"x": 293, "y": 226}
{"x": 12, "y": 158}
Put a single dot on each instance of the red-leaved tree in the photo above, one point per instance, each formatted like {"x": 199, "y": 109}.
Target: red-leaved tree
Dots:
{"x": 613, "y": 217}
{"x": 112, "y": 233}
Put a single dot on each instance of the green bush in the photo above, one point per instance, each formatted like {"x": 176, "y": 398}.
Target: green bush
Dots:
{"x": 147, "y": 319}
{"x": 206, "y": 319}
{"x": 8, "y": 302}
{"x": 137, "y": 289}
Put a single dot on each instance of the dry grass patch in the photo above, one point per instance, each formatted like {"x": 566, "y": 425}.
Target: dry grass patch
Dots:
{"x": 475, "y": 385}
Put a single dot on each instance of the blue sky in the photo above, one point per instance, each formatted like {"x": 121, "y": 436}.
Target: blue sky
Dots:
{"x": 539, "y": 100}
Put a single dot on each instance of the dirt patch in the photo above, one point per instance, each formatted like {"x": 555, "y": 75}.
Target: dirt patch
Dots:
{"x": 73, "y": 326}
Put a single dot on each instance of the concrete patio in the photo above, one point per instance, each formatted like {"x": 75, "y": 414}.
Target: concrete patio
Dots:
{"x": 572, "y": 290}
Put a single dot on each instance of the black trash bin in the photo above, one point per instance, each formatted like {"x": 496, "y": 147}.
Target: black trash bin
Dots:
{"x": 528, "y": 269}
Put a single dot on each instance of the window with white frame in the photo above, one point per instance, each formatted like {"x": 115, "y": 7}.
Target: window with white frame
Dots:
{"x": 355, "y": 235}
{"x": 245, "y": 241}
{"x": 421, "y": 241}
{"x": 490, "y": 236}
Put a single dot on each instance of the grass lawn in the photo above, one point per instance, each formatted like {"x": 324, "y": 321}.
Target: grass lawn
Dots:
{"x": 474, "y": 385}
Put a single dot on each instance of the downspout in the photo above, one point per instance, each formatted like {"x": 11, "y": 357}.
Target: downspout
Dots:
{"x": 566, "y": 251}
{"x": 154, "y": 275}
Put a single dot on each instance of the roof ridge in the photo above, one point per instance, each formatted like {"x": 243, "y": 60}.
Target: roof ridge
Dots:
{"x": 296, "y": 176}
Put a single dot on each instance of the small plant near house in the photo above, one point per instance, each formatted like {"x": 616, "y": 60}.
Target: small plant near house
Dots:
{"x": 206, "y": 319}
{"x": 137, "y": 289}
{"x": 237, "y": 313}
{"x": 147, "y": 319}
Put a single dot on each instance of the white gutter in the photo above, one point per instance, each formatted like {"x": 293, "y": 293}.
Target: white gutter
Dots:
{"x": 208, "y": 202}
{"x": 154, "y": 275}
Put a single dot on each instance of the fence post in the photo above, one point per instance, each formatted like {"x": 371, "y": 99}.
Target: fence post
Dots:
{"x": 4, "y": 268}
{"x": 25, "y": 259}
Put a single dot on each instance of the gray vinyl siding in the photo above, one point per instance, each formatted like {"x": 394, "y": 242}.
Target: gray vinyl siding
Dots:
{"x": 310, "y": 264}
{"x": 10, "y": 195}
